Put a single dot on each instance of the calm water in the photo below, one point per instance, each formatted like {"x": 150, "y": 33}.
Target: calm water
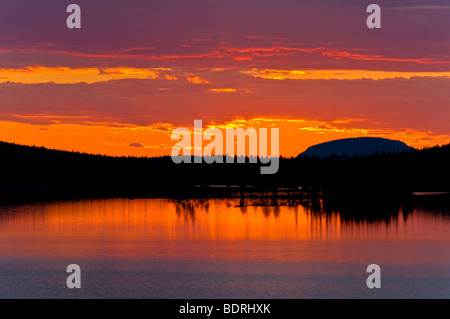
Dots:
{"x": 157, "y": 248}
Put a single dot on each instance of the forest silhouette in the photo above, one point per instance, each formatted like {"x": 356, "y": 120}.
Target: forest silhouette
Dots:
{"x": 36, "y": 173}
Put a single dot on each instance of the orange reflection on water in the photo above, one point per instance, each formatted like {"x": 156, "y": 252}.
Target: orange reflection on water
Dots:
{"x": 171, "y": 220}
{"x": 208, "y": 229}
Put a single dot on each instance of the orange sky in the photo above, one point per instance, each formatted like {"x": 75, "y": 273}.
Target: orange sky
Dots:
{"x": 103, "y": 138}
{"x": 120, "y": 89}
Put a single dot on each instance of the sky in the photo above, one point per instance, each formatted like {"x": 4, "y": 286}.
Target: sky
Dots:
{"x": 137, "y": 70}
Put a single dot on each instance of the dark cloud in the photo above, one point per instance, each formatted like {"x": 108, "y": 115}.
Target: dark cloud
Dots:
{"x": 34, "y": 32}
{"x": 136, "y": 145}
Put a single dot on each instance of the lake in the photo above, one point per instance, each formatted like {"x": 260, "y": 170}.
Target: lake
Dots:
{"x": 222, "y": 248}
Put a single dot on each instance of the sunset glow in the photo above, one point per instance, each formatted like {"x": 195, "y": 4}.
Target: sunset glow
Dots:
{"x": 120, "y": 89}
{"x": 231, "y": 152}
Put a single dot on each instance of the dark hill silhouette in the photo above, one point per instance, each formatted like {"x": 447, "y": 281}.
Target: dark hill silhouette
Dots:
{"x": 359, "y": 146}
{"x": 33, "y": 173}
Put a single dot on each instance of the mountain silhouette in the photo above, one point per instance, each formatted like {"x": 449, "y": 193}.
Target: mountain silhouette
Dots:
{"x": 359, "y": 146}
{"x": 30, "y": 173}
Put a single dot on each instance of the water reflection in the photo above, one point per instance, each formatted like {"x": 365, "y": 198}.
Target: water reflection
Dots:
{"x": 221, "y": 219}
{"x": 244, "y": 246}
{"x": 348, "y": 211}
{"x": 316, "y": 218}
{"x": 356, "y": 211}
